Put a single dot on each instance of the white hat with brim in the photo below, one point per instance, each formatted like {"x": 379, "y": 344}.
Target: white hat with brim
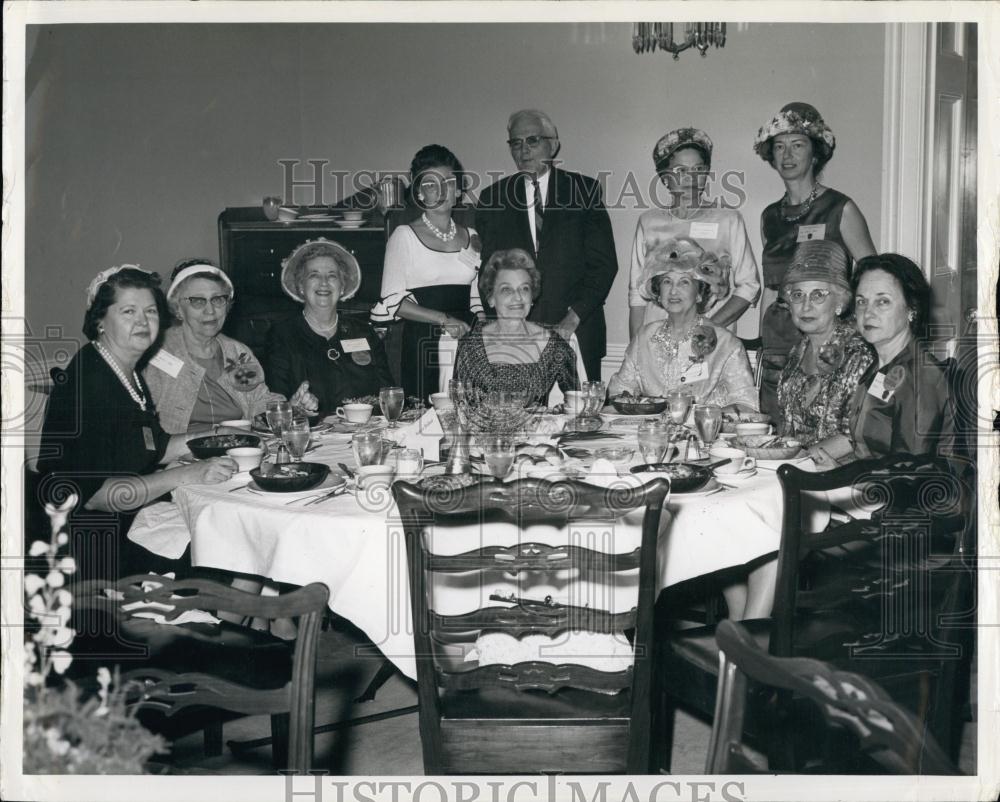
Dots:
{"x": 320, "y": 247}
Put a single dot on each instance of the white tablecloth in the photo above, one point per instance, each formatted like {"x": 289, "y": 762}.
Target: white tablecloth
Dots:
{"x": 355, "y": 545}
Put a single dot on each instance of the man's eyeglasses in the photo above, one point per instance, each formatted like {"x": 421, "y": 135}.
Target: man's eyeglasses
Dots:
{"x": 532, "y": 141}
{"x": 198, "y": 301}
{"x": 431, "y": 186}
{"x": 799, "y": 297}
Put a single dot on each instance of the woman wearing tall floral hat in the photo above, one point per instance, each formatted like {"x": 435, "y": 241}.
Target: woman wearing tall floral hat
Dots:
{"x": 683, "y": 159}
{"x": 685, "y": 350}
{"x": 334, "y": 356}
{"x": 798, "y": 143}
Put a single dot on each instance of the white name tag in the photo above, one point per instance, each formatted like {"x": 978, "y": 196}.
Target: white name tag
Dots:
{"x": 167, "y": 362}
{"x": 877, "y": 388}
{"x": 704, "y": 231}
{"x": 695, "y": 373}
{"x": 357, "y": 344}
{"x": 469, "y": 258}
{"x": 808, "y": 233}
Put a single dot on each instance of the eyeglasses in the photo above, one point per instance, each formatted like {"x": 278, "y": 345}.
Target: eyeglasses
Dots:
{"x": 799, "y": 297}
{"x": 532, "y": 141}
{"x": 438, "y": 186}
{"x": 218, "y": 301}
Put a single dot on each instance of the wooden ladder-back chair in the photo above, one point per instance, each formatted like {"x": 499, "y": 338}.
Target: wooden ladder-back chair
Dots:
{"x": 885, "y": 597}
{"x": 891, "y": 736}
{"x": 532, "y": 716}
{"x": 177, "y": 669}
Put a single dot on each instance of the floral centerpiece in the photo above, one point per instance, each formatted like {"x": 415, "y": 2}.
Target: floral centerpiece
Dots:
{"x": 65, "y": 730}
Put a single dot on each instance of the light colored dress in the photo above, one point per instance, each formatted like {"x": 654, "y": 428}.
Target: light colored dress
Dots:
{"x": 651, "y": 368}
{"x": 716, "y": 230}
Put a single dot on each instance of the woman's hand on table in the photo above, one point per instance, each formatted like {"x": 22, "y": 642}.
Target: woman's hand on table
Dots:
{"x": 822, "y": 458}
{"x": 210, "y": 471}
{"x": 303, "y": 399}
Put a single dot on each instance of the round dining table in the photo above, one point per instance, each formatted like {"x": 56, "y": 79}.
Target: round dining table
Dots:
{"x": 354, "y": 542}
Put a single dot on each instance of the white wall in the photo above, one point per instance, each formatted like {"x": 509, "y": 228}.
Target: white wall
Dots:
{"x": 139, "y": 135}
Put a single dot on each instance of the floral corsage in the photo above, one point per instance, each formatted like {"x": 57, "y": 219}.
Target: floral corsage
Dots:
{"x": 243, "y": 371}
{"x": 830, "y": 358}
{"x": 703, "y": 342}
{"x": 895, "y": 377}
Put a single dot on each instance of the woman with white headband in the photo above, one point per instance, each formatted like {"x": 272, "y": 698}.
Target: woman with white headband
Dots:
{"x": 102, "y": 441}
{"x": 200, "y": 377}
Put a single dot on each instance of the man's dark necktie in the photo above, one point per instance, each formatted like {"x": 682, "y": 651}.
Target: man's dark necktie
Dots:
{"x": 539, "y": 212}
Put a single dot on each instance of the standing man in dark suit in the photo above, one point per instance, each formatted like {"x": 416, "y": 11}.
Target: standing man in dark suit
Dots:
{"x": 560, "y": 217}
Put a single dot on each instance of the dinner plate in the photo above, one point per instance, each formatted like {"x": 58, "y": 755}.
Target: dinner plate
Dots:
{"x": 736, "y": 478}
{"x": 333, "y": 480}
{"x": 774, "y": 464}
{"x": 340, "y": 426}
{"x": 711, "y": 486}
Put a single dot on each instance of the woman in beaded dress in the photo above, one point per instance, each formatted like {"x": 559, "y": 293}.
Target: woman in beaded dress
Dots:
{"x": 686, "y": 351}
{"x": 429, "y": 280}
{"x": 798, "y": 143}
{"x": 512, "y": 353}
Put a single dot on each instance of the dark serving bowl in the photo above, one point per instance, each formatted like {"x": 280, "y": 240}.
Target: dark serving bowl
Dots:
{"x": 684, "y": 477}
{"x": 628, "y": 406}
{"x": 290, "y": 477}
{"x": 216, "y": 445}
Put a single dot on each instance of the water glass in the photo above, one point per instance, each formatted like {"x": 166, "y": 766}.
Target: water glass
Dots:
{"x": 367, "y": 448}
{"x": 278, "y": 415}
{"x": 678, "y": 405}
{"x": 296, "y": 436}
{"x": 708, "y": 422}
{"x": 391, "y": 401}
{"x": 409, "y": 464}
{"x": 595, "y": 392}
{"x": 653, "y": 438}
{"x": 499, "y": 454}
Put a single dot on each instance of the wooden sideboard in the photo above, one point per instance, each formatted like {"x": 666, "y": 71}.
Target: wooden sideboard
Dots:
{"x": 251, "y": 249}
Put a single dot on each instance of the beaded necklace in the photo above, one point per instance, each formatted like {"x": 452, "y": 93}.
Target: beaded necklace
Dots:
{"x": 137, "y": 395}
{"x": 669, "y": 350}
{"x": 806, "y": 205}
{"x": 437, "y": 232}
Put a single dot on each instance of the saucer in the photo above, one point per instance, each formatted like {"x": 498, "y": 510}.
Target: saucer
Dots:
{"x": 350, "y": 223}
{"x": 736, "y": 478}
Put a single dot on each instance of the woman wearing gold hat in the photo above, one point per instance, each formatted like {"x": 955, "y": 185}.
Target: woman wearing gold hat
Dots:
{"x": 685, "y": 350}
{"x": 683, "y": 159}
{"x": 798, "y": 143}
{"x": 336, "y": 356}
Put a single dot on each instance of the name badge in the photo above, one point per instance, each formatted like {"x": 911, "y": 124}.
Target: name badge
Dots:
{"x": 696, "y": 373}
{"x": 354, "y": 345}
{"x": 878, "y": 389}
{"x": 147, "y": 437}
{"x": 704, "y": 231}
{"x": 809, "y": 233}
{"x": 469, "y": 258}
{"x": 167, "y": 362}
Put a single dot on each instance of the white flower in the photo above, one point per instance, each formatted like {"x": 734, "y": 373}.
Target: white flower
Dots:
{"x": 104, "y": 676}
{"x": 58, "y": 515}
{"x": 67, "y": 565}
{"x": 56, "y": 743}
{"x": 33, "y": 583}
{"x": 61, "y": 660}
{"x": 65, "y": 598}
{"x": 55, "y": 579}
{"x": 62, "y": 539}
{"x": 34, "y": 678}
{"x": 38, "y": 548}
{"x": 36, "y": 604}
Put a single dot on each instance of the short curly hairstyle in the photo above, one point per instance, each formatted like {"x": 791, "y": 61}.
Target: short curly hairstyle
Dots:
{"x": 913, "y": 282}
{"x": 702, "y": 302}
{"x": 512, "y": 259}
{"x": 107, "y": 294}
{"x": 427, "y": 158}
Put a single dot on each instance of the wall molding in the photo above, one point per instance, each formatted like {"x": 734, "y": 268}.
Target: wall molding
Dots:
{"x": 905, "y": 138}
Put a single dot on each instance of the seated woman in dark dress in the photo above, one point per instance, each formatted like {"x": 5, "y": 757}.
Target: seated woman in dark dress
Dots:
{"x": 102, "y": 439}
{"x": 512, "y": 353}
{"x": 338, "y": 356}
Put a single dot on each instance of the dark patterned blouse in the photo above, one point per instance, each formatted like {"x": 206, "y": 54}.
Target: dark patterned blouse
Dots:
{"x": 557, "y": 364}
{"x": 814, "y": 406}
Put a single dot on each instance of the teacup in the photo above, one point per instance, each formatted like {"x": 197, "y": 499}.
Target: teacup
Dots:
{"x": 739, "y": 460}
{"x": 352, "y": 216}
{"x": 246, "y": 457}
{"x": 441, "y": 401}
{"x": 575, "y": 402}
{"x": 373, "y": 475}
{"x": 354, "y": 413}
{"x": 744, "y": 429}
{"x": 240, "y": 423}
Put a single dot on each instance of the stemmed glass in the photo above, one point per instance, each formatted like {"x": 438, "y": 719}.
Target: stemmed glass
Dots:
{"x": 278, "y": 415}
{"x": 296, "y": 436}
{"x": 391, "y": 401}
{"x": 653, "y": 437}
{"x": 594, "y": 392}
{"x": 678, "y": 404}
{"x": 708, "y": 422}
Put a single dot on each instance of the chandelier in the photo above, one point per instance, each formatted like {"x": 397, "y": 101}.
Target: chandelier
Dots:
{"x": 648, "y": 36}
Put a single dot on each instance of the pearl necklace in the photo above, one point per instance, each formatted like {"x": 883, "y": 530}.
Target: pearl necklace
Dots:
{"x": 321, "y": 329}
{"x": 806, "y": 205}
{"x": 137, "y": 395}
{"x": 437, "y": 232}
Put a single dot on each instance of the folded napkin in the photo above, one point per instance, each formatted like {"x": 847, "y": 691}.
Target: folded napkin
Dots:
{"x": 161, "y": 529}
{"x": 156, "y": 611}
{"x": 604, "y": 474}
{"x": 424, "y": 433}
{"x": 601, "y": 651}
